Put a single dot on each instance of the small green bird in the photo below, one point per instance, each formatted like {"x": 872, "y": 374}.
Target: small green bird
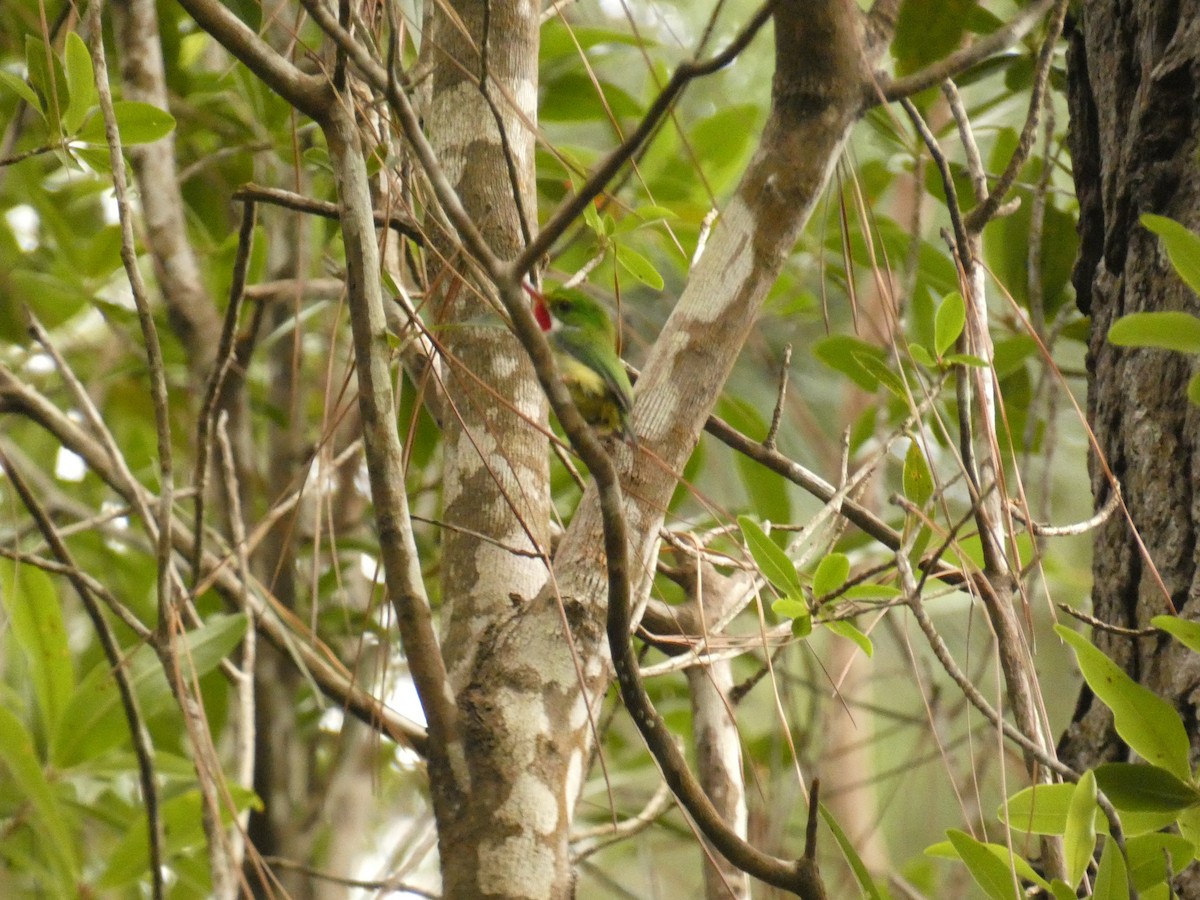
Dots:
{"x": 584, "y": 342}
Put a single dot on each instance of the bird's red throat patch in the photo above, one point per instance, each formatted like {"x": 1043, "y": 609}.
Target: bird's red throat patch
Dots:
{"x": 541, "y": 311}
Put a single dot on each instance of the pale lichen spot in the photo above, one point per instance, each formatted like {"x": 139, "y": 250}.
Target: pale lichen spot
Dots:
{"x": 574, "y": 777}
{"x": 517, "y": 866}
{"x": 523, "y": 715}
{"x": 531, "y": 804}
{"x": 579, "y": 713}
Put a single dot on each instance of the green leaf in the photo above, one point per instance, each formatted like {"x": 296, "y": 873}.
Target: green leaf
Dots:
{"x": 857, "y": 866}
{"x": 24, "y": 773}
{"x": 802, "y": 626}
{"x": 831, "y": 574}
{"x": 138, "y": 123}
{"x": 771, "y": 561}
{"x": 1189, "y": 825}
{"x": 81, "y": 81}
{"x": 1112, "y": 882}
{"x": 1193, "y": 389}
{"x": 1152, "y": 857}
{"x": 883, "y": 373}
{"x": 572, "y": 97}
{"x": 988, "y": 869}
{"x": 1080, "y": 840}
{"x": 965, "y": 359}
{"x": 868, "y": 591}
{"x": 94, "y": 720}
{"x": 1183, "y": 247}
{"x": 918, "y": 479}
{"x": 948, "y": 325}
{"x": 639, "y": 267}
{"x": 723, "y": 142}
{"x": 1183, "y": 630}
{"x": 46, "y": 76}
{"x": 1146, "y": 722}
{"x": 1164, "y": 330}
{"x": 921, "y": 356}
{"x": 789, "y": 608}
{"x": 35, "y": 618}
{"x": 1137, "y": 787}
{"x": 768, "y": 491}
{"x": 22, "y": 90}
{"x": 844, "y": 354}
{"x": 1041, "y": 809}
{"x": 927, "y": 30}
{"x": 182, "y": 832}
{"x": 851, "y": 632}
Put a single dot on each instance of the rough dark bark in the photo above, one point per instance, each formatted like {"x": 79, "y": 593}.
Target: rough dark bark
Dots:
{"x": 1134, "y": 75}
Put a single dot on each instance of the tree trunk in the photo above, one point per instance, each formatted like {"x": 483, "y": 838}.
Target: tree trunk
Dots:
{"x": 504, "y": 839}
{"x": 1134, "y": 73}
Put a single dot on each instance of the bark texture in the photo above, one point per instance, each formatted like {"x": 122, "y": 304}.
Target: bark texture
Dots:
{"x": 493, "y": 843}
{"x": 1134, "y": 74}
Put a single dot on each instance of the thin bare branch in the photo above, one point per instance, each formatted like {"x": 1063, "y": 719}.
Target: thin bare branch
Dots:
{"x": 216, "y": 380}
{"x": 405, "y": 225}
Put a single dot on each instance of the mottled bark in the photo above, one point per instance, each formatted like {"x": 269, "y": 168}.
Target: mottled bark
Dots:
{"x": 548, "y": 680}
{"x": 1134, "y": 76}
{"x": 719, "y": 767}
{"x": 496, "y": 461}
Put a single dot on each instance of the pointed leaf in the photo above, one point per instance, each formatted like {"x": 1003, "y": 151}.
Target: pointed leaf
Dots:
{"x": 965, "y": 359}
{"x": 35, "y": 617}
{"x": 771, "y": 561}
{"x": 1152, "y": 857}
{"x": 1185, "y": 631}
{"x": 851, "y": 633}
{"x": 1164, "y": 330}
{"x": 639, "y": 267}
{"x": 1041, "y": 809}
{"x": 1146, "y": 722}
{"x": 1112, "y": 882}
{"x": 22, "y": 90}
{"x": 844, "y": 354}
{"x": 182, "y": 831}
{"x": 1079, "y": 843}
{"x": 81, "y": 82}
{"x": 868, "y": 591}
{"x": 94, "y": 720}
{"x": 857, "y": 866}
{"x": 921, "y": 356}
{"x": 831, "y": 574}
{"x": 138, "y": 123}
{"x": 918, "y": 479}
{"x": 1137, "y": 787}
{"x": 948, "y": 325}
{"x": 23, "y": 770}
{"x": 1183, "y": 247}
{"x": 989, "y": 871}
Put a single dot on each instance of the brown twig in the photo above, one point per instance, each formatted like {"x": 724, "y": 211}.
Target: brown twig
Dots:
{"x": 777, "y": 415}
{"x": 216, "y": 381}
{"x": 326, "y": 210}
